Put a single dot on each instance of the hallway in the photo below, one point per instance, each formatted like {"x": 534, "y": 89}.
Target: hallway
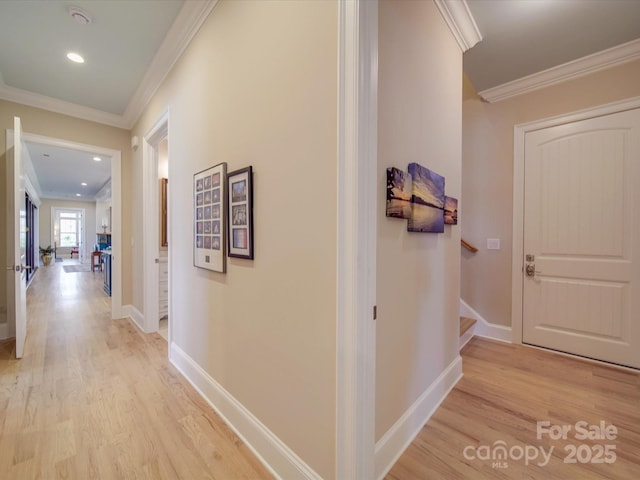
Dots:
{"x": 96, "y": 398}
{"x": 506, "y": 390}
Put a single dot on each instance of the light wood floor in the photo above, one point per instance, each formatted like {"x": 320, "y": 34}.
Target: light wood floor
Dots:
{"x": 505, "y": 390}
{"x": 97, "y": 399}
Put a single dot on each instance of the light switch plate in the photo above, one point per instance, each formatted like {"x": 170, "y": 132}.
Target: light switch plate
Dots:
{"x": 493, "y": 244}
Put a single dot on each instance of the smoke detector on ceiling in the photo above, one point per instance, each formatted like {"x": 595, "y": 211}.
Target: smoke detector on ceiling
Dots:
{"x": 80, "y": 15}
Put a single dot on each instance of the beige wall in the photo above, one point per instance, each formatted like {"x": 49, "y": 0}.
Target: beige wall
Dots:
{"x": 258, "y": 86}
{"x": 487, "y": 174}
{"x": 44, "y": 213}
{"x": 418, "y": 274}
{"x": 43, "y": 122}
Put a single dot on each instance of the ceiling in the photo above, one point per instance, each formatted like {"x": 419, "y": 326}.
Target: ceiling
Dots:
{"x": 77, "y": 167}
{"x": 118, "y": 46}
{"x": 523, "y": 37}
{"x": 129, "y": 46}
{"x": 125, "y": 38}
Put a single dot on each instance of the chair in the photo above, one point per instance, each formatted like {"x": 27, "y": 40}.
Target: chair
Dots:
{"x": 75, "y": 250}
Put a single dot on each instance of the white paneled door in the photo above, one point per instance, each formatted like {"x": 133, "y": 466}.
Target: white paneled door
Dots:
{"x": 581, "y": 287}
{"x": 17, "y": 236}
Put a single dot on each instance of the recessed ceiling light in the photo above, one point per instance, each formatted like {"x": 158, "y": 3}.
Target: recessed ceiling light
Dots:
{"x": 75, "y": 57}
{"x": 78, "y": 195}
{"x": 84, "y": 184}
{"x": 97, "y": 159}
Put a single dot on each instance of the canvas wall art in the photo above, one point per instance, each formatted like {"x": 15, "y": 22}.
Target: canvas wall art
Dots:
{"x": 450, "y": 211}
{"x": 209, "y": 201}
{"x": 398, "y": 193}
{"x": 427, "y": 200}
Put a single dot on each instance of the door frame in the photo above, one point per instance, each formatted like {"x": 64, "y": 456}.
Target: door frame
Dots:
{"x": 150, "y": 220}
{"x": 519, "y": 133}
{"x": 116, "y": 207}
{"x": 357, "y": 177}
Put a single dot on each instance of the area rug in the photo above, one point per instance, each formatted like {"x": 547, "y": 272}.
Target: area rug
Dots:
{"x": 59, "y": 259}
{"x": 76, "y": 268}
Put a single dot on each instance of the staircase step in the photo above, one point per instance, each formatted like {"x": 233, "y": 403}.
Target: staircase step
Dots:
{"x": 465, "y": 324}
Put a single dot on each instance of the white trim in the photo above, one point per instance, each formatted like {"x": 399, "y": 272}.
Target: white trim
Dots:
{"x": 187, "y": 23}
{"x": 189, "y": 20}
{"x": 484, "y": 328}
{"x": 356, "y": 238}
{"x": 150, "y": 214}
{"x": 134, "y": 314}
{"x": 627, "y": 52}
{"x": 116, "y": 208}
{"x": 460, "y": 21}
{"x": 37, "y": 100}
{"x": 396, "y": 440}
{"x": 519, "y": 132}
{"x": 279, "y": 459}
{"x": 466, "y": 337}
{"x": 32, "y": 191}
{"x": 32, "y": 184}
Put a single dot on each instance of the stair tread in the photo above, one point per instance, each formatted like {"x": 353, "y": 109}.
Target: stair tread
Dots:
{"x": 465, "y": 324}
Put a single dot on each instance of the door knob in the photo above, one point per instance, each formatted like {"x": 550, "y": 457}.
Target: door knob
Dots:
{"x": 530, "y": 270}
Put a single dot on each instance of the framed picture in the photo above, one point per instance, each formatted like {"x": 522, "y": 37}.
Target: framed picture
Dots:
{"x": 240, "y": 230}
{"x": 427, "y": 200}
{"x": 209, "y": 236}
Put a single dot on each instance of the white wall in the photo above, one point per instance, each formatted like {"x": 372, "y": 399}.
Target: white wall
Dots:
{"x": 418, "y": 274}
{"x": 258, "y": 86}
{"x": 488, "y": 174}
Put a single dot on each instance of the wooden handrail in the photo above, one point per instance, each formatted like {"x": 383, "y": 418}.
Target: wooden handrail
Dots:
{"x": 468, "y": 246}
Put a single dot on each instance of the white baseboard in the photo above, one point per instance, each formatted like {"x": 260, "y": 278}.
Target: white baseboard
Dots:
{"x": 404, "y": 431}
{"x": 276, "y": 456}
{"x": 468, "y": 335}
{"x": 483, "y": 328}
{"x": 134, "y": 314}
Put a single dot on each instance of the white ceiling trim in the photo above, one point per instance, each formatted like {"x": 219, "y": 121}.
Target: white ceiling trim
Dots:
{"x": 627, "y": 52}
{"x": 189, "y": 20}
{"x": 44, "y": 102}
{"x": 458, "y": 17}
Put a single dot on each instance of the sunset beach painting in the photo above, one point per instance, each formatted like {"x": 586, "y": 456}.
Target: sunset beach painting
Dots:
{"x": 427, "y": 200}
{"x": 450, "y": 211}
{"x": 398, "y": 193}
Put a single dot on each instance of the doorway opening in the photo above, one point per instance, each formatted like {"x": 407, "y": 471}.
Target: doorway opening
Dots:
{"x": 75, "y": 229}
{"x": 157, "y": 254}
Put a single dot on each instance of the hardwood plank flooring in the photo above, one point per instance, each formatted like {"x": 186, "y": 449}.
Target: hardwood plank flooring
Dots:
{"x": 95, "y": 398}
{"x": 505, "y": 391}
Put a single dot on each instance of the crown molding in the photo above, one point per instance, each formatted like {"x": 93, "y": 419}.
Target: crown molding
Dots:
{"x": 187, "y": 23}
{"x": 189, "y": 20}
{"x": 458, "y": 17}
{"x": 51, "y": 104}
{"x": 621, "y": 54}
